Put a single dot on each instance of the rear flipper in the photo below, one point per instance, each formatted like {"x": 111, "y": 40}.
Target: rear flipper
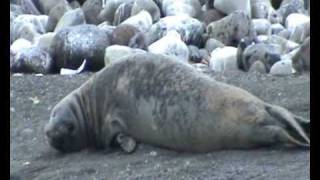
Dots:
{"x": 127, "y": 143}
{"x": 288, "y": 128}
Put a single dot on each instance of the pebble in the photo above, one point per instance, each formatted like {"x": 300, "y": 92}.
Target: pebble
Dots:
{"x": 142, "y": 21}
{"x": 32, "y": 60}
{"x": 301, "y": 59}
{"x": 230, "y": 6}
{"x": 27, "y": 132}
{"x": 231, "y": 29}
{"x": 224, "y": 59}
{"x": 212, "y": 44}
{"x": 283, "y": 67}
{"x": 147, "y": 5}
{"x": 262, "y": 26}
{"x": 190, "y": 29}
{"x": 71, "y": 18}
{"x": 116, "y": 52}
{"x": 19, "y": 44}
{"x": 276, "y": 28}
{"x": 171, "y": 45}
{"x": 153, "y": 153}
{"x": 294, "y": 20}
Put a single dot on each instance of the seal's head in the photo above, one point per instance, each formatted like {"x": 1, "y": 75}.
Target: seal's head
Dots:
{"x": 63, "y": 130}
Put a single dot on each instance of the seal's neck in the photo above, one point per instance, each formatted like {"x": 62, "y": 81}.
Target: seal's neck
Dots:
{"x": 89, "y": 121}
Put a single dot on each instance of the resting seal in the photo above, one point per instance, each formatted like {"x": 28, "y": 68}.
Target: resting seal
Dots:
{"x": 153, "y": 99}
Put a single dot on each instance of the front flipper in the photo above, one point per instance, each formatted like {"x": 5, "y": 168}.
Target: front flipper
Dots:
{"x": 127, "y": 143}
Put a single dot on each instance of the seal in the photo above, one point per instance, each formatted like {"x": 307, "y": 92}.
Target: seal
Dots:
{"x": 128, "y": 35}
{"x": 156, "y": 100}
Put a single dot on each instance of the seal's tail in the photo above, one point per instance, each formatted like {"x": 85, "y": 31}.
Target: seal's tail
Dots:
{"x": 294, "y": 129}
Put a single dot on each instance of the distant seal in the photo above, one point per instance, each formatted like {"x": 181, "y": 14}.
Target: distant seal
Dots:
{"x": 128, "y": 35}
{"x": 153, "y": 99}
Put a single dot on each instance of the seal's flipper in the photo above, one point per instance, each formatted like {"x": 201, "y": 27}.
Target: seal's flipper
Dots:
{"x": 292, "y": 129}
{"x": 304, "y": 123}
{"x": 127, "y": 143}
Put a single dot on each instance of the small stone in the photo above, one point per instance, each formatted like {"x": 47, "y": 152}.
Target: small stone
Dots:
{"x": 300, "y": 33}
{"x": 285, "y": 34}
{"x": 122, "y": 13}
{"x": 92, "y": 9}
{"x": 26, "y": 163}
{"x": 230, "y": 6}
{"x": 35, "y": 100}
{"x": 19, "y": 44}
{"x": 211, "y": 15}
{"x": 55, "y": 14}
{"x": 27, "y": 132}
{"x": 194, "y": 54}
{"x": 171, "y": 45}
{"x": 267, "y": 53}
{"x": 142, "y": 21}
{"x": 262, "y": 38}
{"x": 147, "y": 5}
{"x": 44, "y": 41}
{"x": 212, "y": 44}
{"x": 224, "y": 59}
{"x": 231, "y": 29}
{"x": 32, "y": 60}
{"x": 258, "y": 66}
{"x": 283, "y": 67}
{"x": 261, "y": 9}
{"x": 276, "y": 28}
{"x": 190, "y": 29}
{"x": 116, "y": 52}
{"x": 191, "y": 8}
{"x": 71, "y": 18}
{"x": 301, "y": 59}
{"x": 153, "y": 153}
{"x": 294, "y": 20}
{"x": 262, "y": 26}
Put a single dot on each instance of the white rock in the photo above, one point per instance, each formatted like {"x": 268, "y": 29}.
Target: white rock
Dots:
{"x": 262, "y": 38}
{"x": 19, "y": 44}
{"x": 190, "y": 29}
{"x": 212, "y": 44}
{"x": 171, "y": 45}
{"x": 276, "y": 28}
{"x": 191, "y": 8}
{"x": 283, "y": 67}
{"x": 115, "y": 52}
{"x": 230, "y": 6}
{"x": 142, "y": 21}
{"x": 44, "y": 41}
{"x": 262, "y": 26}
{"x": 224, "y": 59}
{"x": 39, "y": 21}
{"x": 295, "y": 19}
{"x": 71, "y": 18}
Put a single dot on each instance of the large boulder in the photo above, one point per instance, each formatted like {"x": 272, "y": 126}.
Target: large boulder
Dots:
{"x": 72, "y": 45}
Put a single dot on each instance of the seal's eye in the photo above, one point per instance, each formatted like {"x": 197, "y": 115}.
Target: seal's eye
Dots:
{"x": 70, "y": 127}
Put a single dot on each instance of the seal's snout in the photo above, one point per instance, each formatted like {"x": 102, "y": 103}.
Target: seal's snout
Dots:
{"x": 60, "y": 136}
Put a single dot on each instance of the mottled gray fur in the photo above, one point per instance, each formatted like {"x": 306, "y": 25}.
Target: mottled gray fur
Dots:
{"x": 156, "y": 100}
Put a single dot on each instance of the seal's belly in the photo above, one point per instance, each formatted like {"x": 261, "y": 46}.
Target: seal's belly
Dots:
{"x": 182, "y": 127}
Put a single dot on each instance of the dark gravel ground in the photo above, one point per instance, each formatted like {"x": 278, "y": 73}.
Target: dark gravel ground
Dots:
{"x": 32, "y": 97}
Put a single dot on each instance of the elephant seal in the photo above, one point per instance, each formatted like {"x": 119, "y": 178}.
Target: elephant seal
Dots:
{"x": 153, "y": 99}
{"x": 128, "y": 35}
